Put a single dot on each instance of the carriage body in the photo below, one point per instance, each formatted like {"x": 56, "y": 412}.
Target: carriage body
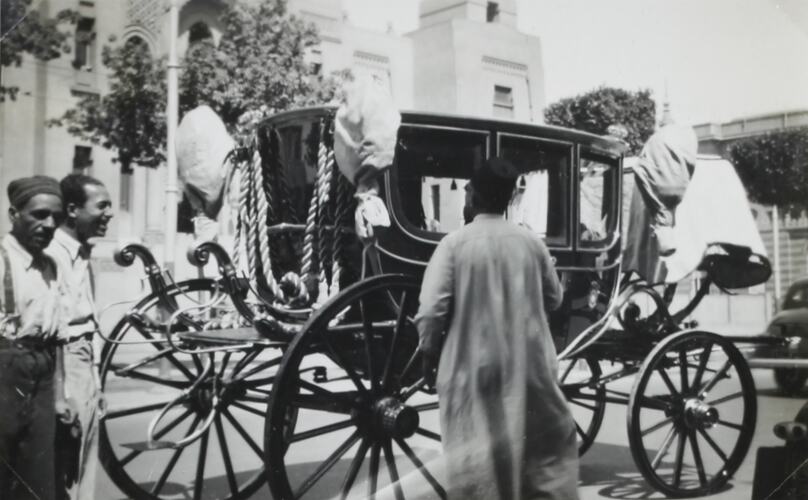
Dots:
{"x": 342, "y": 363}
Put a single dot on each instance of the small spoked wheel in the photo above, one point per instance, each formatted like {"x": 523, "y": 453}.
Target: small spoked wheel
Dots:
{"x": 141, "y": 379}
{"x": 692, "y": 414}
{"x": 580, "y": 382}
{"x": 367, "y": 424}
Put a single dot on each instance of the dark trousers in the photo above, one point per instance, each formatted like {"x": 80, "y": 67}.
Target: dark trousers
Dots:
{"x": 27, "y": 422}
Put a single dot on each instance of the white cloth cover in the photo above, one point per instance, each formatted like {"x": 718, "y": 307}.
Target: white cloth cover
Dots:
{"x": 507, "y": 431}
{"x": 365, "y": 129}
{"x": 202, "y": 146}
{"x": 714, "y": 209}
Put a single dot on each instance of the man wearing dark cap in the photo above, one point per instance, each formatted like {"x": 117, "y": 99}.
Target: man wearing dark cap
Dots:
{"x": 30, "y": 315}
{"x": 507, "y": 432}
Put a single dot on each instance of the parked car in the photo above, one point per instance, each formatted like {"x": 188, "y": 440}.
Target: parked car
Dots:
{"x": 792, "y": 321}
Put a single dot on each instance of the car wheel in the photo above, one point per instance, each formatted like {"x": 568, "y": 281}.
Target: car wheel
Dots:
{"x": 790, "y": 380}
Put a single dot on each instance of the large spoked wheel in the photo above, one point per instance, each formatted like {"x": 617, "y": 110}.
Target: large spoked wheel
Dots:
{"x": 691, "y": 414}
{"x": 355, "y": 377}
{"x": 580, "y": 383}
{"x": 226, "y": 462}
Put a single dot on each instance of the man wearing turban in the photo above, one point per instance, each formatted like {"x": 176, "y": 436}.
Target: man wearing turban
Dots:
{"x": 507, "y": 431}
{"x": 30, "y": 316}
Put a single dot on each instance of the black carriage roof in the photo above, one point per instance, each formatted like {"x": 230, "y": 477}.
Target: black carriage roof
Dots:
{"x": 609, "y": 145}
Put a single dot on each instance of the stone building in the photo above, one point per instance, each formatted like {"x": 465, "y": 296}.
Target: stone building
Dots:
{"x": 466, "y": 56}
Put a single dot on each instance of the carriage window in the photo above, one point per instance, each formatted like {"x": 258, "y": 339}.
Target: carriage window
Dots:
{"x": 433, "y": 166}
{"x": 597, "y": 206}
{"x": 541, "y": 199}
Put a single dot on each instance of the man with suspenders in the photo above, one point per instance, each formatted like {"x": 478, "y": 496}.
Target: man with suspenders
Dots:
{"x": 88, "y": 210}
{"x": 31, "y": 315}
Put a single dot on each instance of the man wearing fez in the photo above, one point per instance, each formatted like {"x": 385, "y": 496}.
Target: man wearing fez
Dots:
{"x": 30, "y": 317}
{"x": 88, "y": 210}
{"x": 507, "y": 432}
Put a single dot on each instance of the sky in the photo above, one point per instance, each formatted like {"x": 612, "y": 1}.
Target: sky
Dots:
{"x": 716, "y": 60}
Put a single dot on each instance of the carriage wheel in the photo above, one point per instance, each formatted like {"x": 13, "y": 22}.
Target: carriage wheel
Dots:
{"x": 691, "y": 414}
{"x": 367, "y": 410}
{"x": 226, "y": 462}
{"x": 579, "y": 380}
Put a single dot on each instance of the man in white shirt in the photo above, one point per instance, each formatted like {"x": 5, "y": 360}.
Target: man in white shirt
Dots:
{"x": 30, "y": 316}
{"x": 88, "y": 210}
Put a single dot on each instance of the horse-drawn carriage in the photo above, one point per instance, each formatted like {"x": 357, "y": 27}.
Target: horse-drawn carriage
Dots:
{"x": 306, "y": 332}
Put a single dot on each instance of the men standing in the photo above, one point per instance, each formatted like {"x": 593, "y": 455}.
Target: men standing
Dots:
{"x": 30, "y": 315}
{"x": 507, "y": 432}
{"x": 88, "y": 210}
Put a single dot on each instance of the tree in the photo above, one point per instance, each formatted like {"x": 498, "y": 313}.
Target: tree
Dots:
{"x": 596, "y": 110}
{"x": 774, "y": 167}
{"x": 131, "y": 117}
{"x": 24, "y": 30}
{"x": 257, "y": 68}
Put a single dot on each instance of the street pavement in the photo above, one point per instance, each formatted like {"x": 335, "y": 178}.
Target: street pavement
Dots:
{"x": 607, "y": 470}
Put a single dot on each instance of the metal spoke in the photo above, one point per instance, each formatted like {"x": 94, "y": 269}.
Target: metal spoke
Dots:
{"x": 373, "y": 470}
{"x": 576, "y": 402}
{"x": 367, "y": 328}
{"x": 225, "y": 361}
{"x": 157, "y": 435}
{"x": 697, "y": 457}
{"x": 171, "y": 359}
{"x": 717, "y": 449}
{"x": 427, "y": 433}
{"x": 388, "y": 363}
{"x": 345, "y": 366}
{"x": 568, "y": 370}
{"x": 248, "y": 409}
{"x": 656, "y": 426}
{"x": 683, "y": 371}
{"x": 243, "y": 362}
{"x": 253, "y": 399}
{"x": 410, "y": 364}
{"x": 353, "y": 470}
{"x": 653, "y": 403}
{"x": 426, "y": 406}
{"x": 390, "y": 460}
{"x": 260, "y": 366}
{"x": 724, "y": 399}
{"x": 714, "y": 380}
{"x": 327, "y": 464}
{"x": 580, "y": 430}
{"x": 680, "y": 457}
{"x": 173, "y": 460}
{"x": 155, "y": 379}
{"x": 666, "y": 378}
{"x": 731, "y": 425}
{"x": 319, "y": 431}
{"x": 704, "y": 358}
{"x": 134, "y": 411}
{"x": 200, "y": 466}
{"x": 424, "y": 472}
{"x": 228, "y": 464}
{"x": 244, "y": 435}
{"x": 663, "y": 450}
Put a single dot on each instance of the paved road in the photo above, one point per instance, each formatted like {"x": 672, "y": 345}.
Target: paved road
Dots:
{"x": 607, "y": 470}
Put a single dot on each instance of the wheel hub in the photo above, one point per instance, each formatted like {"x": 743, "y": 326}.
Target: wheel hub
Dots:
{"x": 700, "y": 415}
{"x": 394, "y": 419}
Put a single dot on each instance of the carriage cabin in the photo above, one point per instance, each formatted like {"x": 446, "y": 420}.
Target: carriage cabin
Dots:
{"x": 569, "y": 192}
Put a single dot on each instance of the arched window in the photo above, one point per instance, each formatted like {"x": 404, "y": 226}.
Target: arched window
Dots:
{"x": 198, "y": 32}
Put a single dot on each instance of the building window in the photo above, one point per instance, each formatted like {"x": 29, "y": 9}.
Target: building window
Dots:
{"x": 82, "y": 159}
{"x": 436, "y": 201}
{"x": 492, "y": 12}
{"x": 199, "y": 32}
{"x": 85, "y": 44}
{"x": 503, "y": 102}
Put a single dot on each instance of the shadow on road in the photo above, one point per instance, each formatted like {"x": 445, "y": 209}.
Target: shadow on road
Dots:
{"x": 612, "y": 468}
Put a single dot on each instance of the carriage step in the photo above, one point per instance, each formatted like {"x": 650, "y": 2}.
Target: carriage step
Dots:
{"x": 150, "y": 446}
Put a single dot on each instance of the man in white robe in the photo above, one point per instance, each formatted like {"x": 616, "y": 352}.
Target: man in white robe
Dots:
{"x": 507, "y": 432}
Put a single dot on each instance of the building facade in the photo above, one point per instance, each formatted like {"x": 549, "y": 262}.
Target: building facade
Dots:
{"x": 466, "y": 57}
